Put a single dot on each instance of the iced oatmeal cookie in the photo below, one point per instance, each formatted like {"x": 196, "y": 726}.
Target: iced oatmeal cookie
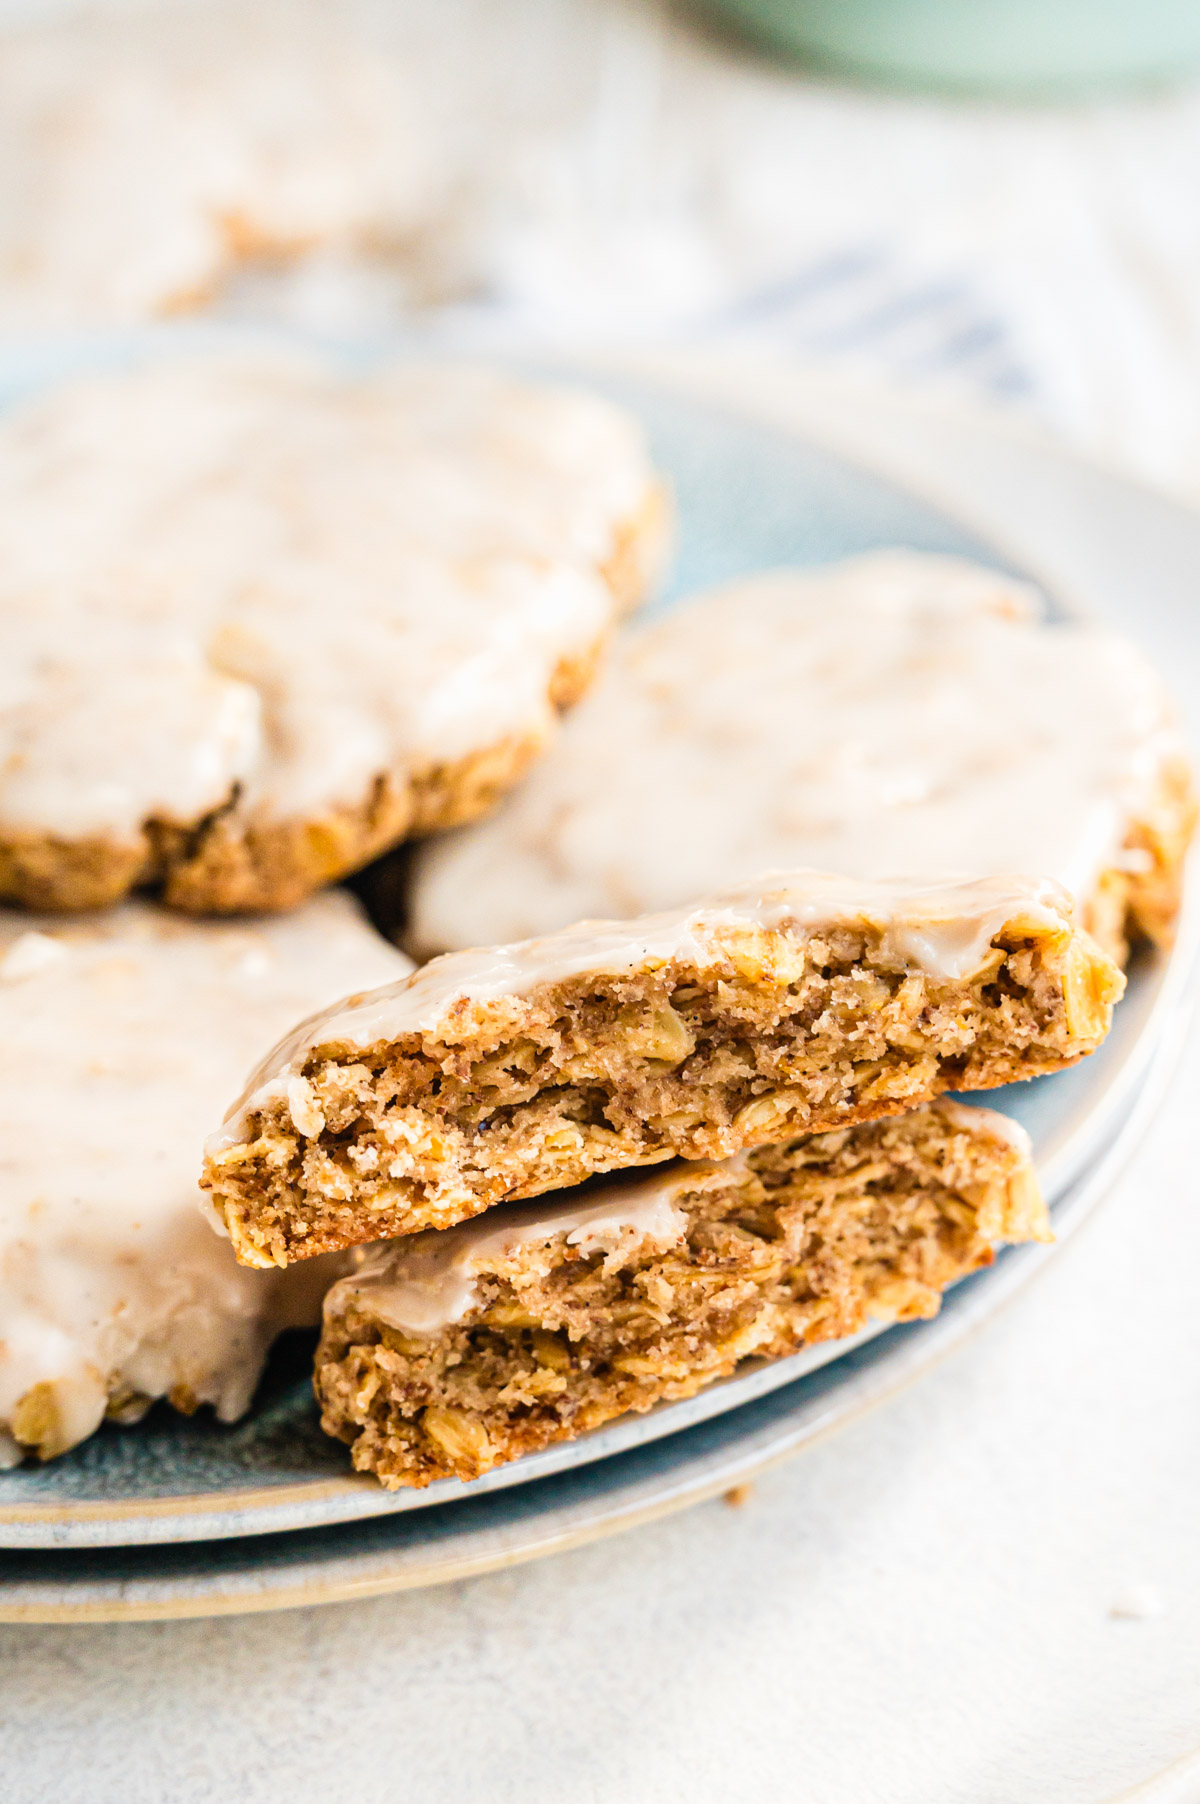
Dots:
{"x": 896, "y": 714}
{"x": 150, "y": 154}
{"x": 119, "y": 1035}
{"x": 449, "y": 1353}
{"x": 796, "y": 1004}
{"x": 263, "y": 618}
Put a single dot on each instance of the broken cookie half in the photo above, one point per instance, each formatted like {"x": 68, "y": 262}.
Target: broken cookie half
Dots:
{"x": 451, "y": 1352}
{"x": 800, "y": 1003}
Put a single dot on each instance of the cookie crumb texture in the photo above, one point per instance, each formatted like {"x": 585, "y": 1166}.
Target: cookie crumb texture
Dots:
{"x": 300, "y": 615}
{"x": 740, "y": 1036}
{"x": 783, "y": 1247}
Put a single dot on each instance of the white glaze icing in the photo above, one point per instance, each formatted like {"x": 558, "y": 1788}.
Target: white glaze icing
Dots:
{"x": 993, "y": 1122}
{"x": 119, "y": 1036}
{"x": 283, "y": 578}
{"x": 144, "y": 153}
{"x": 944, "y": 932}
{"x": 428, "y": 1281}
{"x": 896, "y": 714}
{"x": 424, "y": 1284}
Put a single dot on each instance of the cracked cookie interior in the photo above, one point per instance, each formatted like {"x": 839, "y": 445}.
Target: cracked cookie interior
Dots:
{"x": 799, "y": 1004}
{"x": 456, "y": 1351}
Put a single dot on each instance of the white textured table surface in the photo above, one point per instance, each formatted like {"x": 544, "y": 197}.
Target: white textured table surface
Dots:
{"x": 944, "y": 1575}
{"x": 921, "y": 1610}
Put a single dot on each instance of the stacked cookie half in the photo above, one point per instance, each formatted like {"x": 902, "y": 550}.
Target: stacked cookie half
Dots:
{"x": 263, "y": 620}
{"x": 775, "y": 1056}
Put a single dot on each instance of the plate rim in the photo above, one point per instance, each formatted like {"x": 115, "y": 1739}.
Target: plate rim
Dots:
{"x": 698, "y": 376}
{"x": 348, "y": 1576}
{"x": 220, "y": 1516}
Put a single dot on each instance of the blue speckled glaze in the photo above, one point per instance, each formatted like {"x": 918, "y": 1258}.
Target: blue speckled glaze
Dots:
{"x": 748, "y": 497}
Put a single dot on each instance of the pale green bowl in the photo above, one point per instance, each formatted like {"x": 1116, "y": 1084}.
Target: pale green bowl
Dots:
{"x": 1029, "y": 47}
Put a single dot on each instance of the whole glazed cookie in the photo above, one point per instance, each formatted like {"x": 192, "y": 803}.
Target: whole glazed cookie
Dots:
{"x": 119, "y": 1035}
{"x": 148, "y": 154}
{"x": 896, "y": 714}
{"x": 263, "y": 618}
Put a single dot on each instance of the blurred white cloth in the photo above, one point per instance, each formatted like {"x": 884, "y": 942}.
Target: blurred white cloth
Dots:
{"x": 1050, "y": 254}
{"x": 623, "y": 172}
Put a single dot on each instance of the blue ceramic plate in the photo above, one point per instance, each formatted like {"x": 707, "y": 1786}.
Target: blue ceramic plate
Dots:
{"x": 750, "y": 494}
{"x": 479, "y": 1533}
